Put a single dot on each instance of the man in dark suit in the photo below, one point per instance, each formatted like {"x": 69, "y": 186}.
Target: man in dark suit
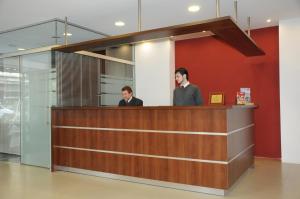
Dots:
{"x": 128, "y": 98}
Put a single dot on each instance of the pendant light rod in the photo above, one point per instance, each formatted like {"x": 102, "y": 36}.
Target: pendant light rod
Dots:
{"x": 66, "y": 31}
{"x": 249, "y": 26}
{"x": 217, "y": 8}
{"x": 236, "y": 11}
{"x": 139, "y": 15}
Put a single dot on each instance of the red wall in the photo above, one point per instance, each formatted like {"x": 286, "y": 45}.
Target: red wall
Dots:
{"x": 215, "y": 66}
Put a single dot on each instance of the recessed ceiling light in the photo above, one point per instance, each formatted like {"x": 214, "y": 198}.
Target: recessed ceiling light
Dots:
{"x": 194, "y": 8}
{"x": 21, "y": 49}
{"x": 68, "y": 34}
{"x": 269, "y": 20}
{"x": 119, "y": 23}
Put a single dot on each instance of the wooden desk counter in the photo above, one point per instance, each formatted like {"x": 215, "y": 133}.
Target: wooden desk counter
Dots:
{"x": 203, "y": 149}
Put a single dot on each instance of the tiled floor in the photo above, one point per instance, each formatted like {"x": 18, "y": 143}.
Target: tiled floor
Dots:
{"x": 269, "y": 180}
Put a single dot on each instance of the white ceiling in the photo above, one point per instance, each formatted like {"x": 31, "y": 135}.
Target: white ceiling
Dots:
{"x": 100, "y": 15}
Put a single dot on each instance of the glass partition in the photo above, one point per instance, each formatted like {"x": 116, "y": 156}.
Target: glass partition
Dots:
{"x": 31, "y": 83}
{"x": 113, "y": 77}
{"x": 27, "y": 91}
{"x": 10, "y": 106}
{"x": 91, "y": 81}
{"x": 44, "y": 34}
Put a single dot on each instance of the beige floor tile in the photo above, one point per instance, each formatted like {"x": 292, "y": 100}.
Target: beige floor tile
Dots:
{"x": 268, "y": 180}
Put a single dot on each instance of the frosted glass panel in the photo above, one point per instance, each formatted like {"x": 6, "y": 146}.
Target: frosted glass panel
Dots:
{"x": 10, "y": 106}
{"x": 113, "y": 77}
{"x": 37, "y": 94}
{"x": 90, "y": 81}
{"x": 113, "y": 85}
{"x": 110, "y": 99}
{"x": 117, "y": 69}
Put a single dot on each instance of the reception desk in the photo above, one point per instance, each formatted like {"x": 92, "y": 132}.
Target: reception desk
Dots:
{"x": 203, "y": 149}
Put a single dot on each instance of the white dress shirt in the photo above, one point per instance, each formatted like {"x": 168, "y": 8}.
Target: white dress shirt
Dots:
{"x": 129, "y": 99}
{"x": 186, "y": 84}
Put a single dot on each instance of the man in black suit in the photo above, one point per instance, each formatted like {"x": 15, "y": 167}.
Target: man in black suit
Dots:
{"x": 128, "y": 99}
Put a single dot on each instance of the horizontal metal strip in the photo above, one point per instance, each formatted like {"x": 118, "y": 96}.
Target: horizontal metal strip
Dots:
{"x": 141, "y": 130}
{"x": 241, "y": 153}
{"x": 186, "y": 187}
{"x": 155, "y": 131}
{"x": 240, "y": 129}
{"x": 143, "y": 155}
{"x": 156, "y": 156}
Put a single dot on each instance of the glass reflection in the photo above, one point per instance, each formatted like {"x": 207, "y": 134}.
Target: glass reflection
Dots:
{"x": 9, "y": 106}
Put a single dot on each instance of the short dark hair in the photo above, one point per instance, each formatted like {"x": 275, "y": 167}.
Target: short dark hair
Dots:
{"x": 182, "y": 71}
{"x": 127, "y": 88}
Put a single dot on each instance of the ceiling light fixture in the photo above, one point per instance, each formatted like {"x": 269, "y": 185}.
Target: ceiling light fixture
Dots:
{"x": 269, "y": 20}
{"x": 21, "y": 49}
{"x": 119, "y": 23}
{"x": 68, "y": 34}
{"x": 194, "y": 8}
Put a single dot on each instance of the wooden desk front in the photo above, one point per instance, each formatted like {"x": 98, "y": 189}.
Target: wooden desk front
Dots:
{"x": 205, "y": 147}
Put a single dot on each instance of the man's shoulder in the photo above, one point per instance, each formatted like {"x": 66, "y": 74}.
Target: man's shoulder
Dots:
{"x": 137, "y": 99}
{"x": 122, "y": 101}
{"x": 176, "y": 89}
{"x": 193, "y": 86}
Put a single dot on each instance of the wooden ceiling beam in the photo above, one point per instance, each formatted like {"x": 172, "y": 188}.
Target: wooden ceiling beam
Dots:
{"x": 224, "y": 29}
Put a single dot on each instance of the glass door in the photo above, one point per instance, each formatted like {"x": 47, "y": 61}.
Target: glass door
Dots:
{"x": 36, "y": 99}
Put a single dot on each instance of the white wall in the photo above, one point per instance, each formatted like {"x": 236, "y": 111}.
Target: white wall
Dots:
{"x": 289, "y": 38}
{"x": 154, "y": 72}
